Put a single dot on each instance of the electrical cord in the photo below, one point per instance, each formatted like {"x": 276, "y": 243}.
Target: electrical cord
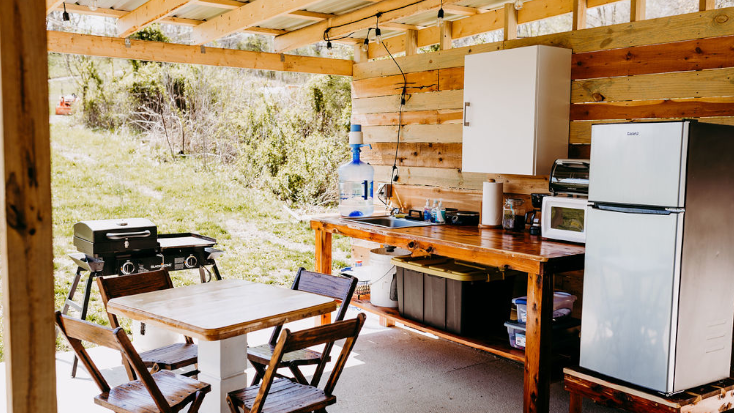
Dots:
{"x": 394, "y": 173}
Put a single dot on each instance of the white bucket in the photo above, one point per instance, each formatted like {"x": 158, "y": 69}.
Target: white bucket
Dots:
{"x": 152, "y": 337}
{"x": 383, "y": 271}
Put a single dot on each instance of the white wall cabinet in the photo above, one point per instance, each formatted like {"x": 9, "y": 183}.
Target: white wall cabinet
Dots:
{"x": 516, "y": 110}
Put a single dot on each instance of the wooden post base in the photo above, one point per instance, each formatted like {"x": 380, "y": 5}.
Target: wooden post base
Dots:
{"x": 386, "y": 322}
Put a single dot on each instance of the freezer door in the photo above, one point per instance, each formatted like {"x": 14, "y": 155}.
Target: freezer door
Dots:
{"x": 639, "y": 163}
{"x": 630, "y": 296}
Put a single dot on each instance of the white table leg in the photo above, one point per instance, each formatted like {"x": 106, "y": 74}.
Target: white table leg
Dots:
{"x": 222, "y": 364}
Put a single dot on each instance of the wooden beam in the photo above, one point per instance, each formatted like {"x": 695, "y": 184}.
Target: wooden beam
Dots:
{"x": 579, "y": 14}
{"x": 360, "y": 56}
{"x": 510, "y": 22}
{"x": 400, "y": 26}
{"x": 147, "y": 14}
{"x": 26, "y": 243}
{"x": 461, "y": 10}
{"x": 704, "y": 5}
{"x": 411, "y": 42}
{"x": 310, "y": 15}
{"x": 246, "y": 16}
{"x": 222, "y": 4}
{"x": 52, "y": 5}
{"x": 88, "y": 45}
{"x": 446, "y": 35}
{"x": 357, "y": 20}
{"x": 637, "y": 10}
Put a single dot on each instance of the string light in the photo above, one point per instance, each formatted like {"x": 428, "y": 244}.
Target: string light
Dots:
{"x": 65, "y": 16}
{"x": 518, "y": 4}
{"x": 440, "y": 16}
{"x": 94, "y": 5}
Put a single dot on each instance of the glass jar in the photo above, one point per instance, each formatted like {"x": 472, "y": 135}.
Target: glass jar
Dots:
{"x": 513, "y": 215}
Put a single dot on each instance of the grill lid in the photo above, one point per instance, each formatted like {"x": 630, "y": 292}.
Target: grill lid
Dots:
{"x": 115, "y": 235}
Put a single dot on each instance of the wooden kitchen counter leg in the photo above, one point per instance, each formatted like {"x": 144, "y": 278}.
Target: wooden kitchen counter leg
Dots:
{"x": 537, "y": 348}
{"x": 575, "y": 403}
{"x": 323, "y": 264}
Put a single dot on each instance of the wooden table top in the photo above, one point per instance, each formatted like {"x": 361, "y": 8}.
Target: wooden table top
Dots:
{"x": 221, "y": 309}
{"x": 477, "y": 244}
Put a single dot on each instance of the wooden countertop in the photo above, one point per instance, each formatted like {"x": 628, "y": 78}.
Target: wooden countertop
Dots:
{"x": 221, "y": 309}
{"x": 520, "y": 251}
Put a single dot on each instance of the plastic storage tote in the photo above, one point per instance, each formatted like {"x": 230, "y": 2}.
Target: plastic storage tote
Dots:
{"x": 562, "y": 305}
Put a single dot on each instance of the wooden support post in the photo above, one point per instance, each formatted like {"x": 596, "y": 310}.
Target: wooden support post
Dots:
{"x": 637, "y": 10}
{"x": 510, "y": 22}
{"x": 386, "y": 322}
{"x": 579, "y": 14}
{"x": 323, "y": 251}
{"x": 360, "y": 56}
{"x": 704, "y": 5}
{"x": 575, "y": 403}
{"x": 537, "y": 347}
{"x": 323, "y": 319}
{"x": 411, "y": 42}
{"x": 26, "y": 248}
{"x": 446, "y": 28}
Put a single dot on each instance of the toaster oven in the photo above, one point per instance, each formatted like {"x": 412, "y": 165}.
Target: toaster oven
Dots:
{"x": 564, "y": 218}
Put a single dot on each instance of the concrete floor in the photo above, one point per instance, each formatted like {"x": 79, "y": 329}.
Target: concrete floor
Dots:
{"x": 390, "y": 370}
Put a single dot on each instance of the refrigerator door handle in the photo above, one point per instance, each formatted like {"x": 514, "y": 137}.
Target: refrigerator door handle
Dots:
{"x": 636, "y": 209}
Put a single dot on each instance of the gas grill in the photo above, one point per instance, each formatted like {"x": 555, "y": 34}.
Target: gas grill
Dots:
{"x": 131, "y": 246}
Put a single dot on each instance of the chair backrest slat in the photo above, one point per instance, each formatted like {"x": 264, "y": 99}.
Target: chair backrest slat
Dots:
{"x": 319, "y": 335}
{"x": 338, "y": 287}
{"x": 77, "y": 331}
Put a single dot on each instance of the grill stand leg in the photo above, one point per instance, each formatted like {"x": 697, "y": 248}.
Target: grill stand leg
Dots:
{"x": 216, "y": 271}
{"x": 72, "y": 290}
{"x": 85, "y": 304}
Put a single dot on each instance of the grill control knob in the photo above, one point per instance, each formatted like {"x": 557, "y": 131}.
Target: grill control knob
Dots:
{"x": 127, "y": 268}
{"x": 191, "y": 261}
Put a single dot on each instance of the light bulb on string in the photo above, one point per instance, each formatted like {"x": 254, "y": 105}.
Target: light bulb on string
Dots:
{"x": 366, "y": 45}
{"x": 329, "y": 48}
{"x": 65, "y": 17}
{"x": 439, "y": 18}
{"x": 518, "y": 4}
{"x": 94, "y": 5}
{"x": 378, "y": 37}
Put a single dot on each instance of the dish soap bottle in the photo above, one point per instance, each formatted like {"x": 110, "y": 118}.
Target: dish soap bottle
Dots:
{"x": 434, "y": 210}
{"x": 427, "y": 211}
{"x": 356, "y": 180}
{"x": 440, "y": 213}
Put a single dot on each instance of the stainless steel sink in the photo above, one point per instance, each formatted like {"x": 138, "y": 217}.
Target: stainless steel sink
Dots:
{"x": 390, "y": 222}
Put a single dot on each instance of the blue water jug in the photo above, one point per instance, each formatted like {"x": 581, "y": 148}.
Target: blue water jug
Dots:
{"x": 356, "y": 181}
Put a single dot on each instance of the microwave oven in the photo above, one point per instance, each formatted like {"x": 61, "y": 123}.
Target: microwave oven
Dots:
{"x": 564, "y": 218}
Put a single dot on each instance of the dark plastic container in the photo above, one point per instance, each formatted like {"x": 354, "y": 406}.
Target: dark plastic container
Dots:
{"x": 565, "y": 333}
{"x": 453, "y": 296}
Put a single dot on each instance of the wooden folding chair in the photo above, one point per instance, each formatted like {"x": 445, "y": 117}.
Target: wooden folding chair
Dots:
{"x": 286, "y": 396}
{"x": 163, "y": 391}
{"x": 170, "y": 357}
{"x": 337, "y": 287}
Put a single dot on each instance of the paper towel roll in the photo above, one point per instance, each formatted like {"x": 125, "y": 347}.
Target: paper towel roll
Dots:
{"x": 492, "y": 204}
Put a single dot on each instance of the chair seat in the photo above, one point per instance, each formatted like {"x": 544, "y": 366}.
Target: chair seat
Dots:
{"x": 171, "y": 357}
{"x": 262, "y": 355}
{"x": 133, "y": 397}
{"x": 284, "y": 396}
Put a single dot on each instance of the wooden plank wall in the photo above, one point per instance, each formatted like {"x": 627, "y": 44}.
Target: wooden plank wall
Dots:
{"x": 668, "y": 68}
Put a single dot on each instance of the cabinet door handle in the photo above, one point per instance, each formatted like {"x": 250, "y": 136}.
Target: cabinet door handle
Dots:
{"x": 466, "y": 105}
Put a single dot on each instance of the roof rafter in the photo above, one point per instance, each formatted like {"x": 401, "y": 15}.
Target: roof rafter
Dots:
{"x": 248, "y": 15}
{"x": 51, "y": 5}
{"x": 232, "y": 4}
{"x": 89, "y": 45}
{"x": 462, "y": 10}
{"x": 147, "y": 14}
{"x": 356, "y": 20}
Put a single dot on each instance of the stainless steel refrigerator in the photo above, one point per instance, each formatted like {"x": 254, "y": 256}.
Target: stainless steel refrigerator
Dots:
{"x": 658, "y": 297}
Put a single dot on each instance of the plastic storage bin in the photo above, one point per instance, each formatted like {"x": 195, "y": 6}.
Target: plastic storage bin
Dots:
{"x": 565, "y": 333}
{"x": 562, "y": 306}
{"x": 453, "y": 296}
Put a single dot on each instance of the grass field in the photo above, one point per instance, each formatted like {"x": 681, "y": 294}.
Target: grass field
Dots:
{"x": 102, "y": 175}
